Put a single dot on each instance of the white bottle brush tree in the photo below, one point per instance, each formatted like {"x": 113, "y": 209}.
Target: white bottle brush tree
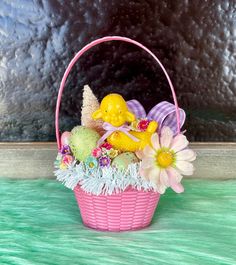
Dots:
{"x": 90, "y": 104}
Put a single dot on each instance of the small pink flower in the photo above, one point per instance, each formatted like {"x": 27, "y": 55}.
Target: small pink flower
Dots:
{"x": 97, "y": 152}
{"x": 67, "y": 159}
{"x": 106, "y": 146}
{"x": 143, "y": 124}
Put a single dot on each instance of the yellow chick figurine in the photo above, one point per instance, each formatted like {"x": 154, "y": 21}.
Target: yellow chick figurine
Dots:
{"x": 114, "y": 110}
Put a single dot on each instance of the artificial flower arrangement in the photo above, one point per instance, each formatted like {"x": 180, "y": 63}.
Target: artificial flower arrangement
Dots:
{"x": 120, "y": 159}
{"x": 118, "y": 146}
{"x": 126, "y": 142}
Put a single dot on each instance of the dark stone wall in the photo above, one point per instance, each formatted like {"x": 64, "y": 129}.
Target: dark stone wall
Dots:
{"x": 195, "y": 40}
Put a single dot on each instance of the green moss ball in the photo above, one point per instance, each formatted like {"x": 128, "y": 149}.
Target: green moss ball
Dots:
{"x": 123, "y": 160}
{"x": 82, "y": 141}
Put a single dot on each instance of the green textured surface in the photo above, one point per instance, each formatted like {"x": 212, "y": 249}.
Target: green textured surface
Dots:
{"x": 40, "y": 224}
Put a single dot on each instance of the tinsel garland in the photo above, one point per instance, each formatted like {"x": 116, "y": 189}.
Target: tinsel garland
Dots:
{"x": 105, "y": 180}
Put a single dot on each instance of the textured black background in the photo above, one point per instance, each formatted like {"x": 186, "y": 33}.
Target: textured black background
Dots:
{"x": 195, "y": 40}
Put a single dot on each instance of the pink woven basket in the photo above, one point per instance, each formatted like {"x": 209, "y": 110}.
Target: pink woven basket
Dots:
{"x": 131, "y": 209}
{"x": 128, "y": 210}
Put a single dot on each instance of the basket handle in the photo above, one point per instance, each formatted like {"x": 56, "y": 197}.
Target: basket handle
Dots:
{"x": 86, "y": 48}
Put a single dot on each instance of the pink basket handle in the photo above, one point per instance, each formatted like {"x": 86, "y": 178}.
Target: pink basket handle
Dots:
{"x": 86, "y": 48}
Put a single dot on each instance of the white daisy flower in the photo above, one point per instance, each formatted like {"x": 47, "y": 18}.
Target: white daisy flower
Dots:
{"x": 167, "y": 160}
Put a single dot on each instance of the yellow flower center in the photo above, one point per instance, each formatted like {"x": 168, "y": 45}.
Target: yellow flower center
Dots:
{"x": 164, "y": 159}
{"x": 91, "y": 164}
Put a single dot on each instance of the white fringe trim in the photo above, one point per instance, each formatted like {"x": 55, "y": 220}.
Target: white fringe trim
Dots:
{"x": 103, "y": 180}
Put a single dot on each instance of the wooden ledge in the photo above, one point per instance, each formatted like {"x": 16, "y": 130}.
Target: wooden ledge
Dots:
{"x": 35, "y": 160}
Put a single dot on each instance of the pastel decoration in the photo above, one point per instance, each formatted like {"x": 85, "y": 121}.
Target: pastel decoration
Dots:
{"x": 89, "y": 105}
{"x": 97, "y": 152}
{"x": 117, "y": 152}
{"x": 82, "y": 141}
{"x": 126, "y": 140}
{"x": 67, "y": 159}
{"x": 110, "y": 129}
{"x": 63, "y": 166}
{"x": 65, "y": 138}
{"x": 123, "y": 160}
{"x": 113, "y": 109}
{"x": 112, "y": 153}
{"x": 164, "y": 113}
{"x": 91, "y": 162}
{"x": 65, "y": 150}
{"x": 167, "y": 160}
{"x": 104, "y": 161}
{"x": 114, "y": 112}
